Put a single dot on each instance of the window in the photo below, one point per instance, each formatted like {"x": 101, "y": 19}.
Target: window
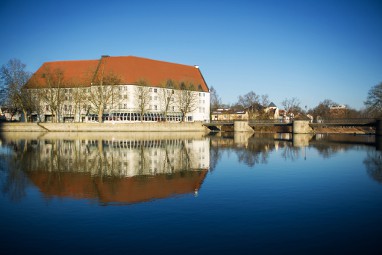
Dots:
{"x": 151, "y": 90}
{"x": 155, "y": 107}
{"x": 155, "y": 90}
{"x": 124, "y": 96}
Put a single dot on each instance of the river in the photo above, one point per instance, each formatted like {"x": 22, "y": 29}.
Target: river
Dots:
{"x": 189, "y": 193}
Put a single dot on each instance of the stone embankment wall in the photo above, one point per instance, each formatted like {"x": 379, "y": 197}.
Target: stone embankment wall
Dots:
{"x": 103, "y": 127}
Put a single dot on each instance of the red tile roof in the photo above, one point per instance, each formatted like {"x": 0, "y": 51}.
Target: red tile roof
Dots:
{"x": 128, "y": 69}
{"x": 76, "y": 73}
{"x": 117, "y": 190}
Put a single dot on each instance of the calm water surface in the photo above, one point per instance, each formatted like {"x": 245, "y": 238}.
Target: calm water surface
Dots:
{"x": 189, "y": 194}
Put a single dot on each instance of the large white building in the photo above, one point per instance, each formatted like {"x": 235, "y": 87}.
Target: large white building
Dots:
{"x": 123, "y": 89}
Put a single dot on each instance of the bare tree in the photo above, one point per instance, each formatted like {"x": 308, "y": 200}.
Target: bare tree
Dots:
{"x": 292, "y": 105}
{"x": 103, "y": 92}
{"x": 215, "y": 99}
{"x": 265, "y": 100}
{"x": 167, "y": 96}
{"x": 249, "y": 99}
{"x": 14, "y": 76}
{"x": 374, "y": 100}
{"x": 323, "y": 108}
{"x": 54, "y": 94}
{"x": 37, "y": 102}
{"x": 142, "y": 97}
{"x": 186, "y": 99}
{"x": 79, "y": 99}
{"x": 253, "y": 103}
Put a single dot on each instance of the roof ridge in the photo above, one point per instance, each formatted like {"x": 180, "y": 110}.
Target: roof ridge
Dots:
{"x": 150, "y": 59}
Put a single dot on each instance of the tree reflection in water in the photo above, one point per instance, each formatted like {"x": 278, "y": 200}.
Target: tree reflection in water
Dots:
{"x": 123, "y": 170}
{"x": 111, "y": 171}
{"x": 373, "y": 163}
{"x": 13, "y": 180}
{"x": 257, "y": 149}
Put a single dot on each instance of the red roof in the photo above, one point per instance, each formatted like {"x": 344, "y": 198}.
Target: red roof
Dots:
{"x": 128, "y": 69}
{"x": 117, "y": 190}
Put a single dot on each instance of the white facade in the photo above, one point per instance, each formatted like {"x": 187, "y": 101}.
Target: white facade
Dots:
{"x": 76, "y": 105}
{"x": 121, "y": 157}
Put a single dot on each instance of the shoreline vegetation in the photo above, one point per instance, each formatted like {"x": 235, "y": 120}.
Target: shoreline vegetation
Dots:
{"x": 145, "y": 127}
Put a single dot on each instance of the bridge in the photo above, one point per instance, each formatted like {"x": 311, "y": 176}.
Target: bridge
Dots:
{"x": 251, "y": 124}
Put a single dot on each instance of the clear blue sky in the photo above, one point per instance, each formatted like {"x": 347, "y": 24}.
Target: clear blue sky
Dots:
{"x": 312, "y": 50}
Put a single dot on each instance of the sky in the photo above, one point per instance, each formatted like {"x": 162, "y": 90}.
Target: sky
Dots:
{"x": 310, "y": 50}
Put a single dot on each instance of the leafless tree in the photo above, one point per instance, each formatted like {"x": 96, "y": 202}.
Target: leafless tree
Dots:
{"x": 54, "y": 94}
{"x": 167, "y": 96}
{"x": 103, "y": 92}
{"x": 14, "y": 76}
{"x": 374, "y": 100}
{"x": 37, "y": 102}
{"x": 292, "y": 105}
{"x": 142, "y": 97}
{"x": 79, "y": 100}
{"x": 215, "y": 99}
{"x": 265, "y": 100}
{"x": 186, "y": 99}
{"x": 251, "y": 103}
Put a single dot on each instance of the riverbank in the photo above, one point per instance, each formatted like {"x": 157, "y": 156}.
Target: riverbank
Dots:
{"x": 104, "y": 127}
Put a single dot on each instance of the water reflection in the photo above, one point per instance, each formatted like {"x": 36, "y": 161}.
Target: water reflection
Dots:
{"x": 119, "y": 168}
{"x": 256, "y": 149}
{"x": 130, "y": 167}
{"x": 373, "y": 163}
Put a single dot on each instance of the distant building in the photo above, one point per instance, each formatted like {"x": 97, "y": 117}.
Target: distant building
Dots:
{"x": 255, "y": 111}
{"x": 78, "y": 79}
{"x": 228, "y": 115}
{"x": 273, "y": 111}
{"x": 337, "y": 111}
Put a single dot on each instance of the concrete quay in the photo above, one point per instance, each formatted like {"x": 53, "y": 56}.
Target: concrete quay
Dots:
{"x": 104, "y": 127}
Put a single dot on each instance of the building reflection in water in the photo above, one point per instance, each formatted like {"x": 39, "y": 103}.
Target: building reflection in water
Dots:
{"x": 114, "y": 169}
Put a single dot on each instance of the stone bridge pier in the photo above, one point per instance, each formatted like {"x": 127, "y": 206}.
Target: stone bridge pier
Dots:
{"x": 301, "y": 127}
{"x": 378, "y": 127}
{"x": 242, "y": 126}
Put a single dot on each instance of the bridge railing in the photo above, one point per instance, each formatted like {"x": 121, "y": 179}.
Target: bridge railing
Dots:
{"x": 338, "y": 121}
{"x": 268, "y": 121}
{"x": 356, "y": 121}
{"x": 220, "y": 122}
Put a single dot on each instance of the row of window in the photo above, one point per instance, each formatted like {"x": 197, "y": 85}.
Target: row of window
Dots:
{"x": 134, "y": 116}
